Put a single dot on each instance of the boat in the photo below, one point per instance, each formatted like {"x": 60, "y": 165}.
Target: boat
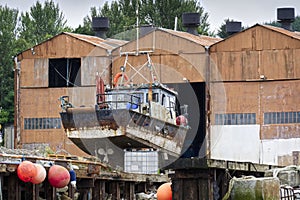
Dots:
{"x": 130, "y": 116}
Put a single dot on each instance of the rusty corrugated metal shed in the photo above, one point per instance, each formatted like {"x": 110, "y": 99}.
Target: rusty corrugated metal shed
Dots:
{"x": 108, "y": 44}
{"x": 199, "y": 39}
{"x": 292, "y": 34}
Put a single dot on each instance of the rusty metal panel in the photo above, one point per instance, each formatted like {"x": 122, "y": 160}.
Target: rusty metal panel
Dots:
{"x": 82, "y": 96}
{"x": 280, "y": 96}
{"x": 27, "y": 72}
{"x": 178, "y": 56}
{"x": 277, "y": 64}
{"x": 250, "y": 65}
{"x": 234, "y": 97}
{"x": 257, "y": 51}
{"x": 41, "y": 72}
{"x": 62, "y": 46}
{"x": 169, "y": 68}
{"x": 258, "y": 38}
{"x": 296, "y": 60}
{"x": 92, "y": 65}
{"x": 93, "y": 169}
{"x": 40, "y": 102}
{"x": 177, "y": 68}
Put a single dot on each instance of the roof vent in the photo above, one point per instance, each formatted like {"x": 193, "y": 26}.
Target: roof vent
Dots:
{"x": 233, "y": 27}
{"x": 100, "y": 25}
{"x": 286, "y": 16}
{"x": 191, "y": 21}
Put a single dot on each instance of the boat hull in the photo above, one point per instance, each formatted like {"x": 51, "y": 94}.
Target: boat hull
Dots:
{"x": 123, "y": 128}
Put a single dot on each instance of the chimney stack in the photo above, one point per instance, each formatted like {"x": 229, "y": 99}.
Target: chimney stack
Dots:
{"x": 191, "y": 21}
{"x": 233, "y": 27}
{"x": 286, "y": 16}
{"x": 100, "y": 25}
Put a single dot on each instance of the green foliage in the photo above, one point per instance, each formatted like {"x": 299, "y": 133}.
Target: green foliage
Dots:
{"x": 41, "y": 23}
{"x": 8, "y": 23}
{"x": 4, "y": 115}
{"x": 222, "y": 33}
{"x": 122, "y": 15}
{"x": 295, "y": 24}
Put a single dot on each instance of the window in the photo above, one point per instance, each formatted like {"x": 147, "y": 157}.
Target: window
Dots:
{"x": 235, "y": 119}
{"x": 64, "y": 72}
{"x": 42, "y": 123}
{"x": 155, "y": 97}
{"x": 281, "y": 117}
{"x": 163, "y": 97}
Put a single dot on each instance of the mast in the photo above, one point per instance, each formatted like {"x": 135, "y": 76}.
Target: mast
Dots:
{"x": 137, "y": 28}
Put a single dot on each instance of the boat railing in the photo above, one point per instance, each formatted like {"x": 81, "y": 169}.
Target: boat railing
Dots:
{"x": 65, "y": 103}
{"x": 289, "y": 193}
{"x": 120, "y": 101}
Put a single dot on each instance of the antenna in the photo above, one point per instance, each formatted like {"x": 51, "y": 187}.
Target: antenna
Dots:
{"x": 137, "y": 28}
{"x": 175, "y": 25}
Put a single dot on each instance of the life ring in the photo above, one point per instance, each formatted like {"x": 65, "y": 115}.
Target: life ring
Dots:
{"x": 117, "y": 76}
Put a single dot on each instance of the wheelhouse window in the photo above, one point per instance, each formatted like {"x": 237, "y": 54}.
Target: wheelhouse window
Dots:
{"x": 163, "y": 98}
{"x": 155, "y": 97}
{"x": 64, "y": 72}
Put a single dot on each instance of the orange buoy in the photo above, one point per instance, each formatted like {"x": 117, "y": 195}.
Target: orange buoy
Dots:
{"x": 58, "y": 176}
{"x": 40, "y": 174}
{"x": 164, "y": 192}
{"x": 26, "y": 171}
{"x": 117, "y": 76}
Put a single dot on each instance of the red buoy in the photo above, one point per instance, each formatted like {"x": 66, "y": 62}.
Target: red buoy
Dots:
{"x": 181, "y": 120}
{"x": 164, "y": 192}
{"x": 40, "y": 174}
{"x": 26, "y": 171}
{"x": 58, "y": 176}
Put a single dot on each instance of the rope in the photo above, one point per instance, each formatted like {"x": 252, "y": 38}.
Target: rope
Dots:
{"x": 227, "y": 195}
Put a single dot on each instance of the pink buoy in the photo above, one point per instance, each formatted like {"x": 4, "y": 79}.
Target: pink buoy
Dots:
{"x": 58, "y": 176}
{"x": 26, "y": 171}
{"x": 40, "y": 175}
{"x": 164, "y": 192}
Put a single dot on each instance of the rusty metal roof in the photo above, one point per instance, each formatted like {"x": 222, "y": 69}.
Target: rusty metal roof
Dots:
{"x": 108, "y": 44}
{"x": 293, "y": 34}
{"x": 199, "y": 39}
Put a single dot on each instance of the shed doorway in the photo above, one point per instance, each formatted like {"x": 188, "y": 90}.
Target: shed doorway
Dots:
{"x": 64, "y": 72}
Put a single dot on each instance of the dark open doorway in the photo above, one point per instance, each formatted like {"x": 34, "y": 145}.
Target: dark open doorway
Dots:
{"x": 193, "y": 95}
{"x": 64, "y": 72}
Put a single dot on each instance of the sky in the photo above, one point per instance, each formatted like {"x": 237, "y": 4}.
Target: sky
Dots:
{"x": 248, "y": 12}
